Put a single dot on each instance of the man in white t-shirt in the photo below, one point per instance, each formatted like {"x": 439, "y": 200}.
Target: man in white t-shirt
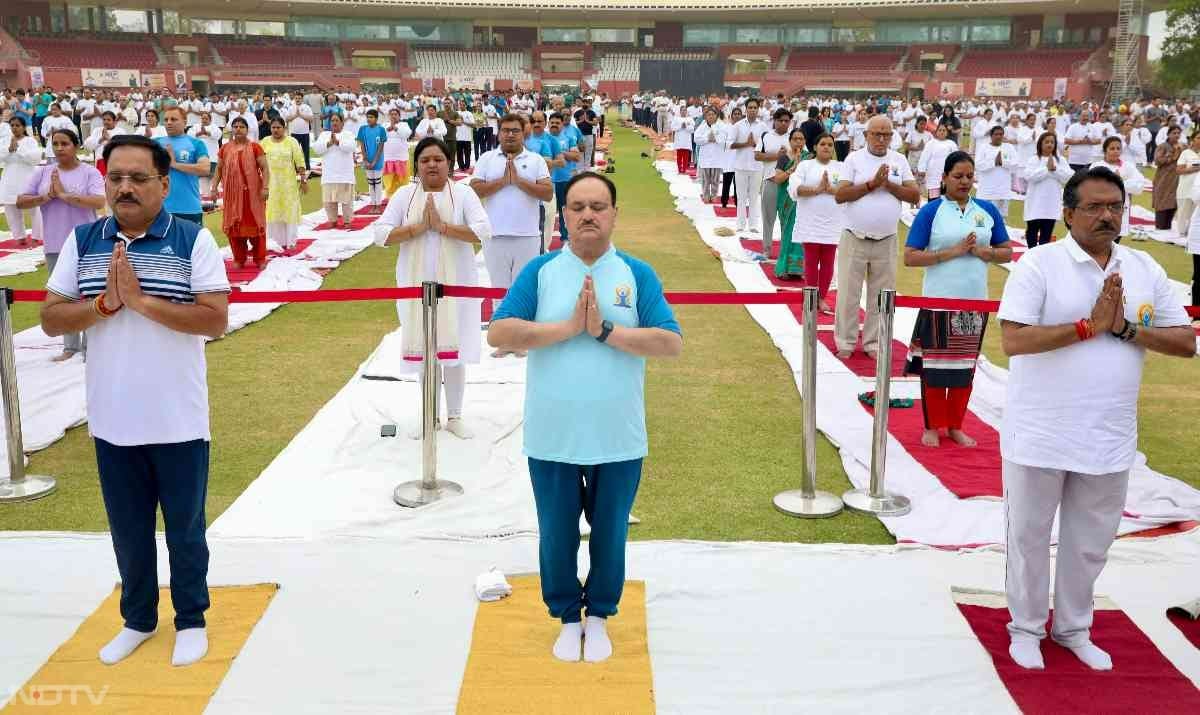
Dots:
{"x": 150, "y": 425}
{"x": 512, "y": 182}
{"x": 771, "y": 147}
{"x": 1083, "y": 140}
{"x": 1077, "y": 318}
{"x": 747, "y": 167}
{"x": 300, "y": 118}
{"x": 874, "y": 182}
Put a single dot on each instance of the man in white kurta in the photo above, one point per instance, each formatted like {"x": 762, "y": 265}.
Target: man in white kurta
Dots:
{"x": 1077, "y": 317}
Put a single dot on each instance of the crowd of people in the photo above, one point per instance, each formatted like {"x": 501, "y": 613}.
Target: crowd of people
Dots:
{"x": 835, "y": 176}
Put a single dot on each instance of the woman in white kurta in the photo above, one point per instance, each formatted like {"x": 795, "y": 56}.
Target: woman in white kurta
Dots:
{"x": 1135, "y": 182}
{"x": 337, "y": 147}
{"x": 1046, "y": 173}
{"x": 437, "y": 224}
{"x": 933, "y": 157}
{"x": 431, "y": 126}
{"x": 819, "y": 217}
{"x": 19, "y": 156}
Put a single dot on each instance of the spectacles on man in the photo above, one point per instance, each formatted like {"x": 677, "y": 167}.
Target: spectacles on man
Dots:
{"x": 137, "y": 179}
{"x": 1094, "y": 210}
{"x": 511, "y": 130}
{"x": 881, "y": 135}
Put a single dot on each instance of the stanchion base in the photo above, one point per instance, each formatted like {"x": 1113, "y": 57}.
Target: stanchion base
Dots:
{"x": 818, "y": 506}
{"x": 887, "y": 505}
{"x": 32, "y": 487}
{"x": 412, "y": 494}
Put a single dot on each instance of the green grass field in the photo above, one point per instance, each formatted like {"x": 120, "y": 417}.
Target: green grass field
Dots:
{"x": 724, "y": 420}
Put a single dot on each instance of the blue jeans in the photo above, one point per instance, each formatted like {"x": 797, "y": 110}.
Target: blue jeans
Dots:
{"x": 560, "y": 197}
{"x": 135, "y": 481}
{"x": 604, "y": 494}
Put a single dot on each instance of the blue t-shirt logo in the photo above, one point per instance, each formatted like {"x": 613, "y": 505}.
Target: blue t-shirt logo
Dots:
{"x": 623, "y": 293}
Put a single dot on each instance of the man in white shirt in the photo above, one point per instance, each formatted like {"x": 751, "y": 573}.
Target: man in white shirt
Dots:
{"x": 1083, "y": 139}
{"x": 996, "y": 161}
{"x": 512, "y": 183}
{"x": 150, "y": 425}
{"x": 300, "y": 118}
{"x": 771, "y": 147}
{"x": 875, "y": 180}
{"x": 747, "y": 167}
{"x": 1077, "y": 318}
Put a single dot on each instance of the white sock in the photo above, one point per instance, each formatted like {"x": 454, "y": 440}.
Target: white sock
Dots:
{"x": 191, "y": 644}
{"x": 119, "y": 648}
{"x": 596, "y": 645}
{"x": 1027, "y": 653}
{"x": 1092, "y": 656}
{"x": 458, "y": 428}
{"x": 568, "y": 645}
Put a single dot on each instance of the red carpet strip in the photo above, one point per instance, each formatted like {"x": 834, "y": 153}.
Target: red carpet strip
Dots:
{"x": 250, "y": 271}
{"x": 13, "y": 244}
{"x": 1142, "y": 680}
{"x": 1188, "y": 626}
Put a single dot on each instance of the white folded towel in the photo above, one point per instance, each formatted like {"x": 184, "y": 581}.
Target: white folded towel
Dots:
{"x": 492, "y": 586}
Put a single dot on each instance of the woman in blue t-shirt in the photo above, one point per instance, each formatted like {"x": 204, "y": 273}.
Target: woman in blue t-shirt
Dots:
{"x": 953, "y": 238}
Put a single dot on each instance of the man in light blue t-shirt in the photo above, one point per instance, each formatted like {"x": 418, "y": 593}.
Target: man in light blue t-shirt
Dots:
{"x": 566, "y": 145}
{"x": 589, "y": 316}
{"x": 189, "y": 161}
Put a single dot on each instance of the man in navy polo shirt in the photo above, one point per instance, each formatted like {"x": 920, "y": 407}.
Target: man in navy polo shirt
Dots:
{"x": 589, "y": 316}
{"x": 148, "y": 288}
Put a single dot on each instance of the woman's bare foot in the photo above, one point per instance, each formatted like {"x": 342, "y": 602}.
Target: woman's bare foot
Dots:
{"x": 824, "y": 308}
{"x": 844, "y": 354}
{"x": 238, "y": 266}
{"x": 63, "y": 356}
{"x": 930, "y": 438}
{"x": 961, "y": 438}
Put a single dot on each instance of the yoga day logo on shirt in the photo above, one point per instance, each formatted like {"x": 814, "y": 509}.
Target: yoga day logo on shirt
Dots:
{"x": 623, "y": 292}
{"x": 979, "y": 220}
{"x": 1145, "y": 315}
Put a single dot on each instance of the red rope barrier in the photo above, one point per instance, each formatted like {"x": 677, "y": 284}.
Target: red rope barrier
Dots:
{"x": 914, "y": 301}
{"x": 673, "y": 297}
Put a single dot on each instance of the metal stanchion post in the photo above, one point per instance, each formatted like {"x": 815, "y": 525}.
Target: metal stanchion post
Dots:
{"x": 20, "y": 486}
{"x": 428, "y": 488}
{"x": 876, "y": 500}
{"x": 806, "y": 501}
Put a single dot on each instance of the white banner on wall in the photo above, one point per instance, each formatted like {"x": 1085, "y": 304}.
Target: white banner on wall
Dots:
{"x": 37, "y": 77}
{"x": 469, "y": 81}
{"x": 1060, "y": 87}
{"x": 111, "y": 78}
{"x": 1002, "y": 86}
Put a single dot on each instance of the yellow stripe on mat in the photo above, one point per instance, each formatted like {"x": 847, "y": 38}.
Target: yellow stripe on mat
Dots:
{"x": 75, "y": 680}
{"x": 511, "y": 669}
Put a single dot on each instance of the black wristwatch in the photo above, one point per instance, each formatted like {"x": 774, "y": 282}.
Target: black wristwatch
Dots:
{"x": 1126, "y": 334}
{"x": 606, "y": 327}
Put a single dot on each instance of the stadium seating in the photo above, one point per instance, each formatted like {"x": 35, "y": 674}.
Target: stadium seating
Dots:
{"x": 843, "y": 61}
{"x": 1021, "y": 63}
{"x": 624, "y": 67}
{"x": 283, "y": 54}
{"x": 435, "y": 64}
{"x": 77, "y": 53}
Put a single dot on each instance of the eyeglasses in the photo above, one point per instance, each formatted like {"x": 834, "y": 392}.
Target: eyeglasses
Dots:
{"x": 881, "y": 135}
{"x": 1095, "y": 210}
{"x": 137, "y": 179}
{"x": 512, "y": 130}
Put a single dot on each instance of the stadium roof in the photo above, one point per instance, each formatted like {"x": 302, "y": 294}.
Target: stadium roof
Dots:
{"x": 628, "y": 10}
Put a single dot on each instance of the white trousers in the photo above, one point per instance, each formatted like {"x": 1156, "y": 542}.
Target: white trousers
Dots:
{"x": 375, "y": 185}
{"x": 454, "y": 382}
{"x": 505, "y": 256}
{"x": 282, "y": 233}
{"x": 1090, "y": 508}
{"x": 17, "y": 226}
{"x": 749, "y": 197}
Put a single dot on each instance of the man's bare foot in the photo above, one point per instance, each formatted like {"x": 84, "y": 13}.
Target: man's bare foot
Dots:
{"x": 930, "y": 438}
{"x": 64, "y": 356}
{"x": 961, "y": 438}
{"x": 824, "y": 308}
{"x": 844, "y": 354}
{"x": 500, "y": 353}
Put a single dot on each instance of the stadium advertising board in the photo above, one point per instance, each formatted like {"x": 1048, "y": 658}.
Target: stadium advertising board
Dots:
{"x": 154, "y": 80}
{"x": 952, "y": 89}
{"x": 1002, "y": 87}
{"x": 469, "y": 81}
{"x": 37, "y": 77}
{"x": 1060, "y": 87}
{"x": 110, "y": 78}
